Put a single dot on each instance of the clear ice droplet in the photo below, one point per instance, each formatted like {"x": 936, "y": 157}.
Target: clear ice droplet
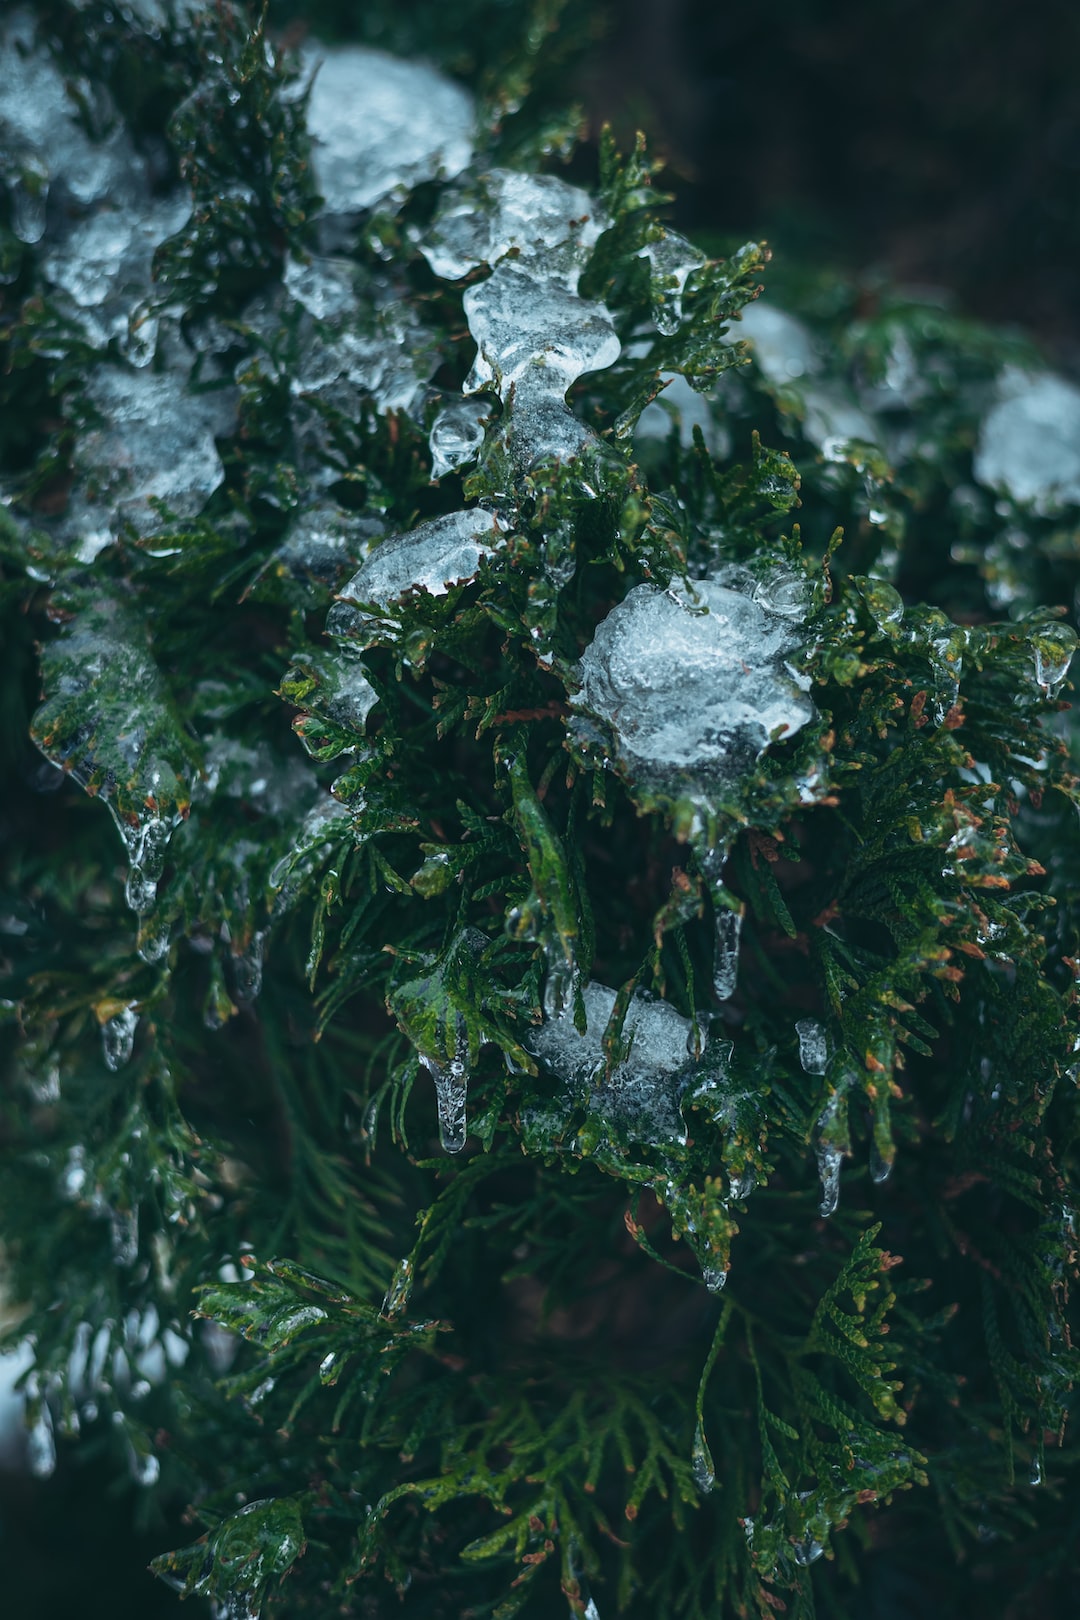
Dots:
{"x": 1055, "y": 645}
{"x": 457, "y": 434}
{"x": 701, "y": 1463}
{"x": 400, "y": 1291}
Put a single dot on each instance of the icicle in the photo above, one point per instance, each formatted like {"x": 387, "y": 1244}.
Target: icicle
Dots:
{"x": 118, "y": 1037}
{"x": 885, "y": 603}
{"x": 152, "y": 942}
{"x": 726, "y": 968}
{"x": 560, "y": 977}
{"x": 880, "y": 1167}
{"x": 830, "y": 1155}
{"x": 451, "y": 1094}
{"x": 147, "y": 845}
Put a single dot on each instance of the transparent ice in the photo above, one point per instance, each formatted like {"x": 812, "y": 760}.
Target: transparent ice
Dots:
{"x": 361, "y": 333}
{"x": 435, "y": 555}
{"x": 1029, "y": 443}
{"x": 378, "y": 124}
{"x": 451, "y": 1093}
{"x": 829, "y": 1151}
{"x": 549, "y": 225}
{"x": 530, "y": 330}
{"x": 726, "y": 969}
{"x": 156, "y": 440}
{"x": 105, "y": 259}
{"x": 457, "y": 434}
{"x": 693, "y": 689}
{"x": 782, "y": 346}
{"x": 325, "y": 543}
{"x": 701, "y": 1463}
{"x": 640, "y": 1098}
{"x": 1052, "y": 656}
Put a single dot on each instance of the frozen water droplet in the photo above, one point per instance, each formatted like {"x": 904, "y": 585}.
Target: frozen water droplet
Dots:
{"x": 451, "y": 1093}
{"x": 701, "y": 1463}
{"x": 726, "y": 962}
{"x": 118, "y": 1037}
{"x": 560, "y": 977}
{"x": 1053, "y": 652}
{"x": 1035, "y": 1477}
{"x": 885, "y": 603}
{"x": 457, "y": 434}
{"x": 672, "y": 261}
{"x": 813, "y": 1047}
{"x": 714, "y": 1278}
{"x": 880, "y": 1168}
{"x": 378, "y": 124}
{"x": 807, "y": 1550}
{"x": 1029, "y": 443}
{"x": 830, "y": 1149}
{"x": 261, "y": 1391}
{"x": 328, "y": 1368}
{"x": 591, "y": 1611}
{"x": 73, "y": 1177}
{"x": 400, "y": 1291}
{"x": 786, "y": 592}
{"x": 153, "y": 938}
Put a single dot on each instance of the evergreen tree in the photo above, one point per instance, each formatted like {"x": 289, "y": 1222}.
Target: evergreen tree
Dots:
{"x": 539, "y": 1038}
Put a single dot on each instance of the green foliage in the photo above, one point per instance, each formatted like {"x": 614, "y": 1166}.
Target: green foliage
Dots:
{"x": 380, "y": 844}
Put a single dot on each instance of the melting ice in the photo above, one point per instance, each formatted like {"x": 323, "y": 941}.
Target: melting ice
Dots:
{"x": 1029, "y": 443}
{"x": 378, "y": 124}
{"x": 457, "y": 434}
{"x": 451, "y": 1093}
{"x": 435, "y": 555}
{"x": 549, "y": 225}
{"x": 692, "y": 691}
{"x": 640, "y": 1098}
{"x": 672, "y": 261}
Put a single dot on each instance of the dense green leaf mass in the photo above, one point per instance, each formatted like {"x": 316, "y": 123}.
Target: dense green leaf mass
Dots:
{"x": 449, "y": 1385}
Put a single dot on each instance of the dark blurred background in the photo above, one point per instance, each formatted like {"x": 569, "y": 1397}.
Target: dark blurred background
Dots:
{"x": 934, "y": 142}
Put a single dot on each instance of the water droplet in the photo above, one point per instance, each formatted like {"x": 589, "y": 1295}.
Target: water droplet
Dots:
{"x": 714, "y": 1277}
{"x": 153, "y": 938}
{"x": 329, "y": 1371}
{"x": 247, "y": 968}
{"x": 885, "y": 603}
{"x": 701, "y": 1462}
{"x": 786, "y": 592}
{"x": 807, "y": 1551}
{"x": 118, "y": 1037}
